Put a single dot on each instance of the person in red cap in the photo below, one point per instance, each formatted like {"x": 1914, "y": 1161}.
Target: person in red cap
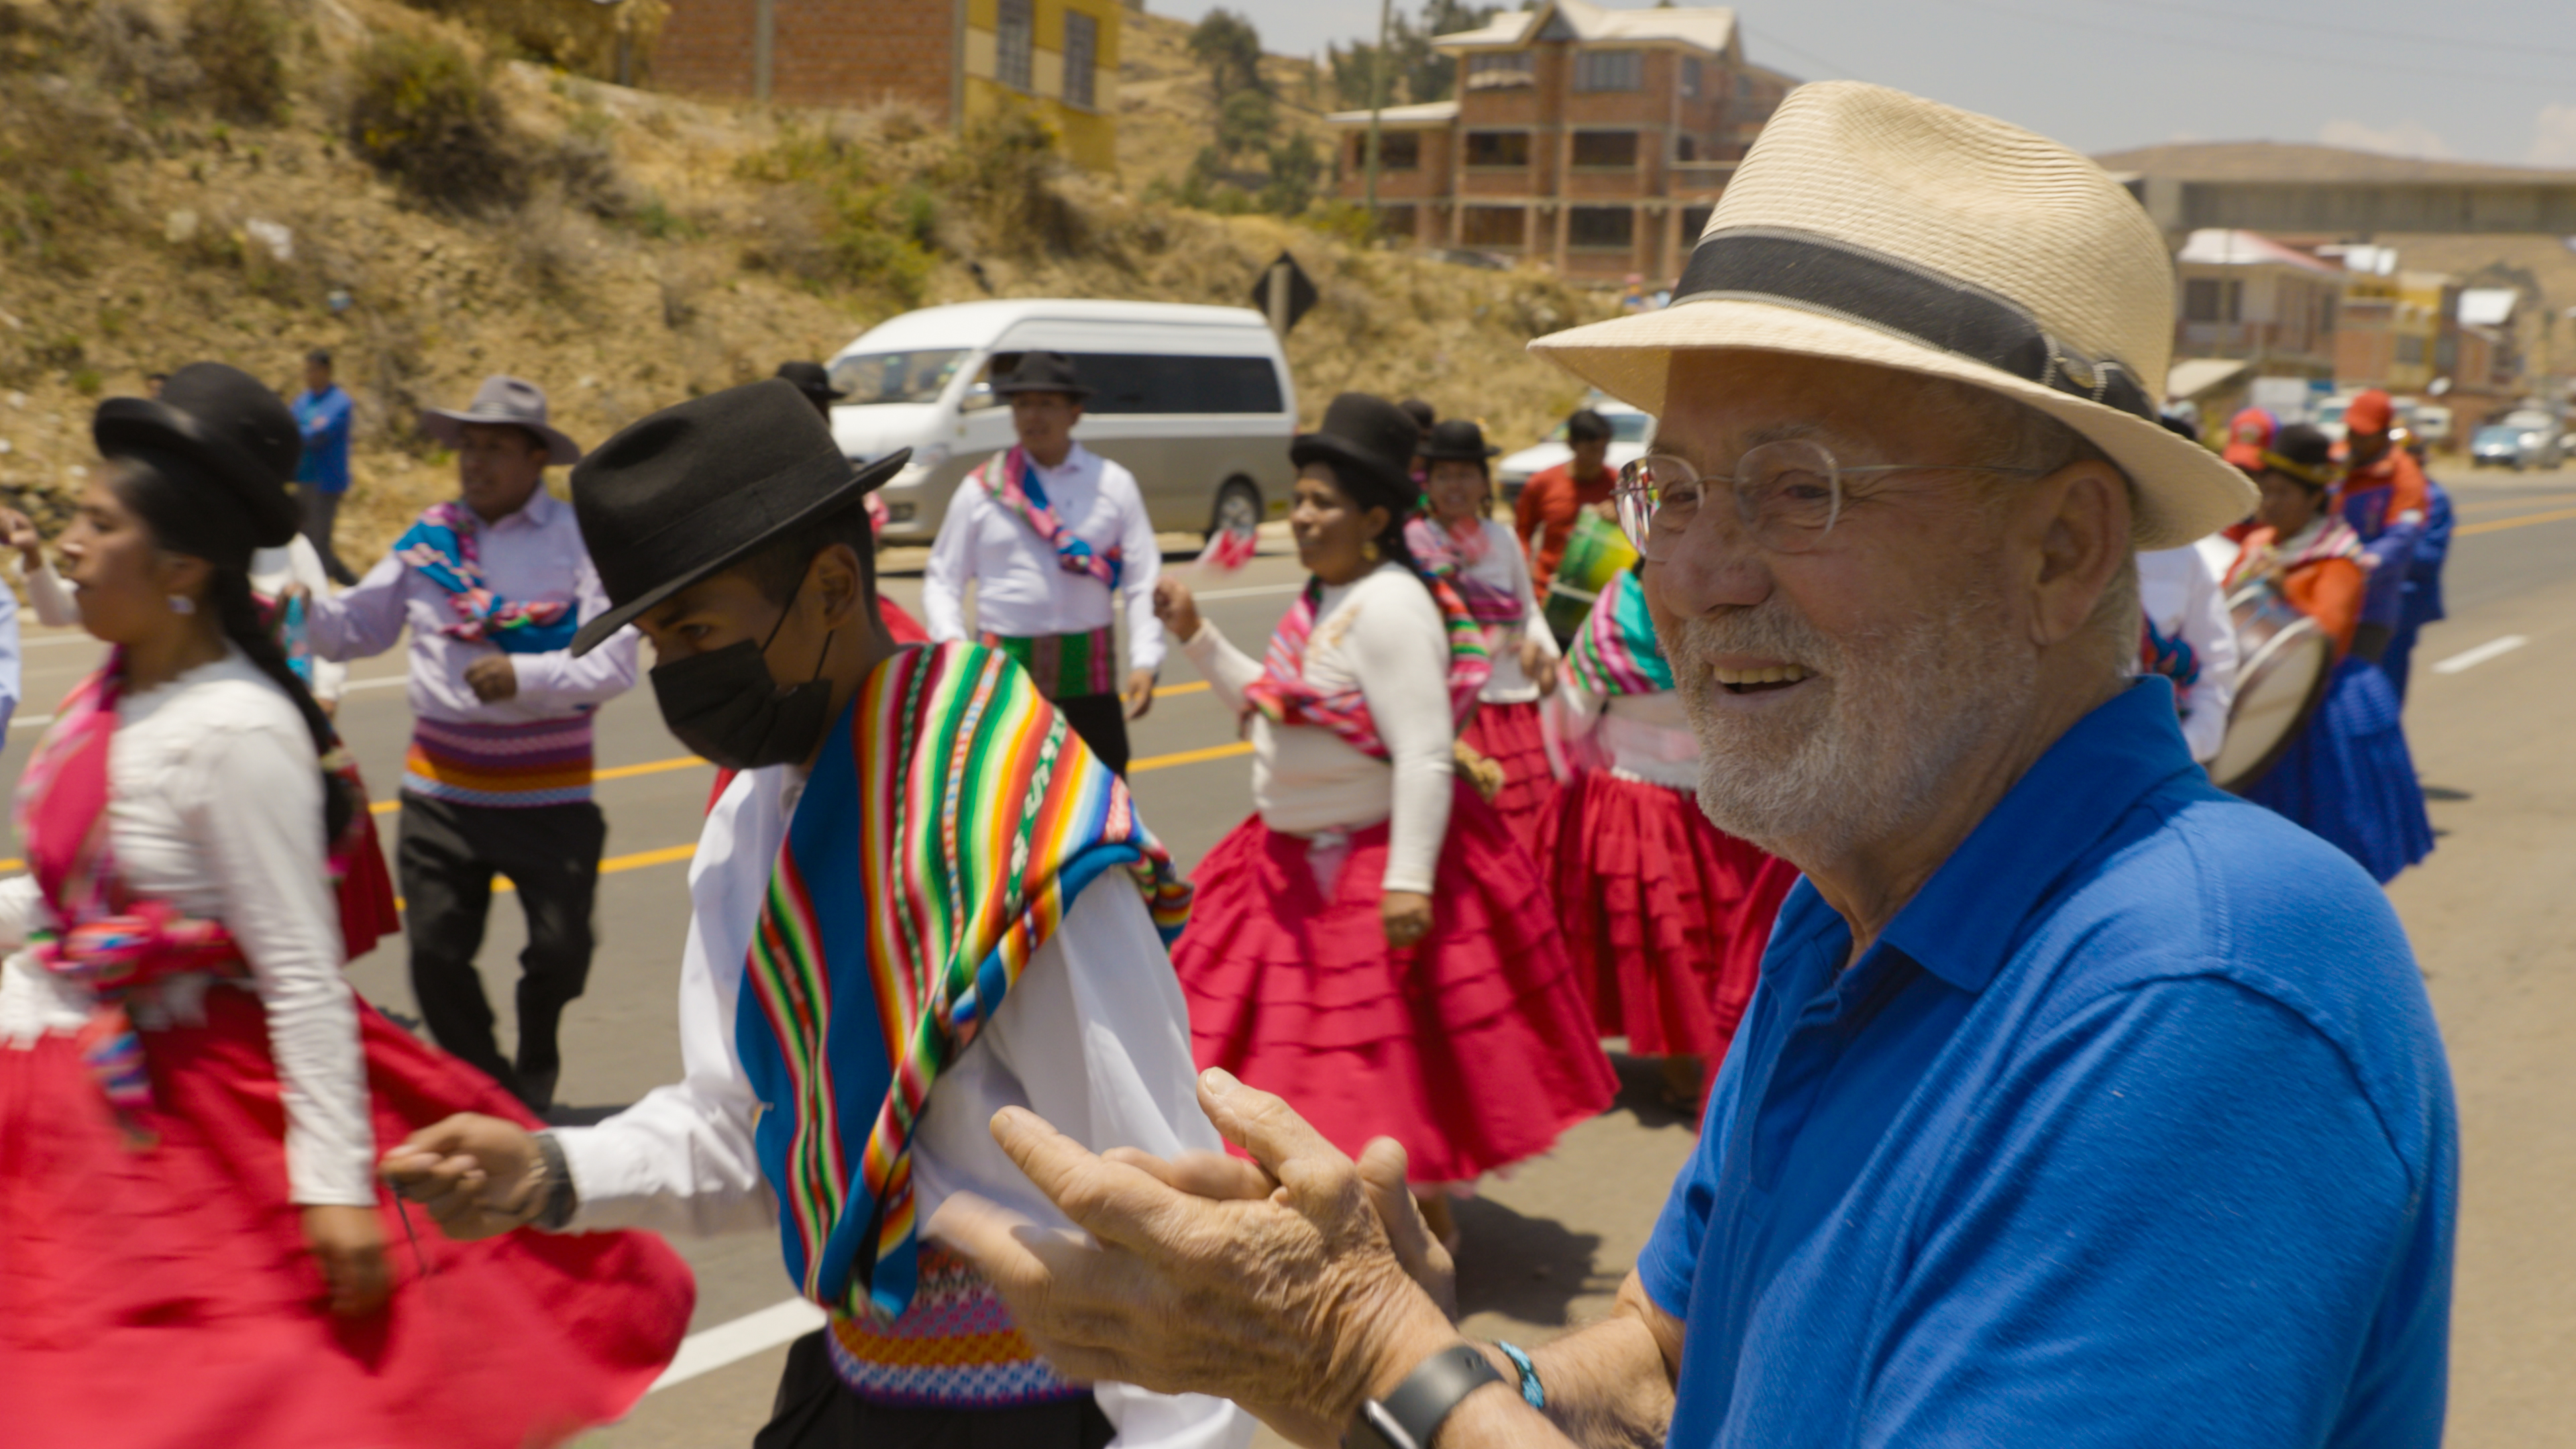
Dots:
{"x": 2248, "y": 434}
{"x": 2385, "y": 500}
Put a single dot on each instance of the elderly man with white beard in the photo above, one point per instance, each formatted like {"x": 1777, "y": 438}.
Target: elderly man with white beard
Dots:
{"x": 2078, "y": 1104}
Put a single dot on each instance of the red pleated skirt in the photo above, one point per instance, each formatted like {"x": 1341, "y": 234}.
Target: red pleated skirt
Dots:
{"x": 1666, "y": 916}
{"x": 163, "y": 1298}
{"x": 1508, "y": 734}
{"x": 1471, "y": 1047}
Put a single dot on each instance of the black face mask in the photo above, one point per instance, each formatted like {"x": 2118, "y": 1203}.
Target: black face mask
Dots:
{"x": 725, "y": 707}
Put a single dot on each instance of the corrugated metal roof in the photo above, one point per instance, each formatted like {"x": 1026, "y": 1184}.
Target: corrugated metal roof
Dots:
{"x": 2217, "y": 246}
{"x": 1710, "y": 27}
{"x": 2488, "y": 306}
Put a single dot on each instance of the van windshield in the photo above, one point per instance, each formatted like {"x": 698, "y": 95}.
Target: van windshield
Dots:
{"x": 895, "y": 377}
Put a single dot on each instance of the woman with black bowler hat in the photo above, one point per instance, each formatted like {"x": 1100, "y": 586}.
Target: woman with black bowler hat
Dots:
{"x": 190, "y": 1095}
{"x": 1365, "y": 943}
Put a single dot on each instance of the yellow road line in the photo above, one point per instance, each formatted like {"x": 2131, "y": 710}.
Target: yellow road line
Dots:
{"x": 1188, "y": 757}
{"x": 2460, "y": 505}
{"x": 2559, "y": 516}
{"x": 1195, "y": 686}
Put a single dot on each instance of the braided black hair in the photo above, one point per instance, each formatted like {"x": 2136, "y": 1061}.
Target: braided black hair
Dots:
{"x": 184, "y": 517}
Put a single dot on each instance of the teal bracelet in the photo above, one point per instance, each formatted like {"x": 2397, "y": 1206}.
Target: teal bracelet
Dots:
{"x": 1533, "y": 1393}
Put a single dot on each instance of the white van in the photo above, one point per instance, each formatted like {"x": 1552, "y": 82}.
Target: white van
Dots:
{"x": 1195, "y": 401}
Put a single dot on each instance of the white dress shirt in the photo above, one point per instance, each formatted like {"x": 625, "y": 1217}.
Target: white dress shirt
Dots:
{"x": 1022, "y": 591}
{"x": 1094, "y": 1037}
{"x": 1382, "y": 636}
{"x": 2181, "y": 594}
{"x": 216, "y": 809}
{"x": 532, "y": 556}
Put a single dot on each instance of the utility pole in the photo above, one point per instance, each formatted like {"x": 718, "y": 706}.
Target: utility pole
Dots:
{"x": 1377, "y": 104}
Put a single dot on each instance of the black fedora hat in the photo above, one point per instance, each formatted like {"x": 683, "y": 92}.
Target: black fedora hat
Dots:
{"x": 1042, "y": 372}
{"x": 226, "y": 422}
{"x": 1370, "y": 443}
{"x": 697, "y": 488}
{"x": 812, "y": 380}
{"x": 1458, "y": 439}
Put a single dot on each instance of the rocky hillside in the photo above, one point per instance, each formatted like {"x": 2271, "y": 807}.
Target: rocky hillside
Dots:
{"x": 244, "y": 179}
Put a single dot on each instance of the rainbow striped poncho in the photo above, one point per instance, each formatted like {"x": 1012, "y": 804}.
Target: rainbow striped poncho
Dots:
{"x": 949, "y": 824}
{"x": 1617, "y": 652}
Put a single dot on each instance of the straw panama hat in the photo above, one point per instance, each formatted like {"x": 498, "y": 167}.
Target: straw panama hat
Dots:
{"x": 1873, "y": 226}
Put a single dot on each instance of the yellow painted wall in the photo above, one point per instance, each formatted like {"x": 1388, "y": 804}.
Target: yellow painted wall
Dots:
{"x": 1090, "y": 137}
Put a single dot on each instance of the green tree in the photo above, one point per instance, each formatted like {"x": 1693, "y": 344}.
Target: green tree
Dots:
{"x": 1230, "y": 48}
{"x": 1296, "y": 167}
{"x": 1244, "y": 123}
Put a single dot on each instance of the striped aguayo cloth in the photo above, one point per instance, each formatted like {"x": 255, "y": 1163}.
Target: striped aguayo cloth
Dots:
{"x": 950, "y": 822}
{"x": 546, "y": 762}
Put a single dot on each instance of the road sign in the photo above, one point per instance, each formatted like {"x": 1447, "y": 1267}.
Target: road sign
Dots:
{"x": 1284, "y": 293}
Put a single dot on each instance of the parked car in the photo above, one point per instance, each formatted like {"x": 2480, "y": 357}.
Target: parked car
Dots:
{"x": 1630, "y": 433}
{"x": 1197, "y": 402}
{"x": 2519, "y": 440}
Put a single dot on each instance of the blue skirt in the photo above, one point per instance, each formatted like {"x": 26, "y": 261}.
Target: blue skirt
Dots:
{"x": 2350, "y": 779}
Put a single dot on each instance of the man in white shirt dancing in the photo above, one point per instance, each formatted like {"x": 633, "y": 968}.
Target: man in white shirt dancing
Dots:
{"x": 1054, "y": 537}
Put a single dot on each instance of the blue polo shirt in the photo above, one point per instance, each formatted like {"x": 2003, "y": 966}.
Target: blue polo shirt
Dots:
{"x": 2132, "y": 1129}
{"x": 323, "y": 418}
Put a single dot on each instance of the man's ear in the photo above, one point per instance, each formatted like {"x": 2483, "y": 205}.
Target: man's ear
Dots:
{"x": 835, "y": 581}
{"x": 2079, "y": 520}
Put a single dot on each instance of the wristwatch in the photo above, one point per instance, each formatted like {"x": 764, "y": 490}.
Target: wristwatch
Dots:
{"x": 1408, "y": 1417}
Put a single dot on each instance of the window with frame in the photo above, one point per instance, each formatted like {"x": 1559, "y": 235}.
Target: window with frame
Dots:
{"x": 1507, "y": 68}
{"x": 1081, "y": 58}
{"x": 1609, "y": 70}
{"x": 1694, "y": 221}
{"x": 1493, "y": 226}
{"x": 1498, "y": 148}
{"x": 1690, "y": 75}
{"x": 1605, "y": 148}
{"x": 1601, "y": 226}
{"x": 1396, "y": 150}
{"x": 1015, "y": 40}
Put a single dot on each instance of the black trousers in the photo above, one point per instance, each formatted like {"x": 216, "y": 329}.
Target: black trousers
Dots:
{"x": 321, "y": 516}
{"x": 817, "y": 1411}
{"x": 1101, "y": 720}
{"x": 445, "y": 857}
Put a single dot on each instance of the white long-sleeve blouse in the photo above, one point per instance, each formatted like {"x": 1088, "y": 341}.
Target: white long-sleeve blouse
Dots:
{"x": 216, "y": 809}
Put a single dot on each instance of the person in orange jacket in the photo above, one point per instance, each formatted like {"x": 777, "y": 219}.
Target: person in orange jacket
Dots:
{"x": 2386, "y": 501}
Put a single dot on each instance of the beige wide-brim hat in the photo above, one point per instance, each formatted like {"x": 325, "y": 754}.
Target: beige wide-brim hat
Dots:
{"x": 1872, "y": 226}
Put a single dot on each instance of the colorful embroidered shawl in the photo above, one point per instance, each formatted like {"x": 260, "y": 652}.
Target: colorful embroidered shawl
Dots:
{"x": 1447, "y": 553}
{"x": 949, "y": 824}
{"x": 2169, "y": 655}
{"x": 1283, "y": 696}
{"x": 1013, "y": 482}
{"x": 106, "y": 943}
{"x": 1617, "y": 653}
{"x": 2327, "y": 538}
{"x": 440, "y": 543}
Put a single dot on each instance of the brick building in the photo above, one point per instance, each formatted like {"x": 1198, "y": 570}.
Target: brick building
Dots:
{"x": 955, "y": 59}
{"x": 2242, "y": 295}
{"x": 1595, "y": 140}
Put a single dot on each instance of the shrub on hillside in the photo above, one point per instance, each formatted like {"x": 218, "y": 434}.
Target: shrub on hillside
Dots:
{"x": 238, "y": 45}
{"x": 836, "y": 220}
{"x": 425, "y": 114}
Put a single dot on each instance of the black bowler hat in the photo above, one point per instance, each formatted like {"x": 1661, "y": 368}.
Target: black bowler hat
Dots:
{"x": 226, "y": 422}
{"x": 812, "y": 380}
{"x": 1370, "y": 443}
{"x": 1043, "y": 372}
{"x": 1455, "y": 440}
{"x": 697, "y": 488}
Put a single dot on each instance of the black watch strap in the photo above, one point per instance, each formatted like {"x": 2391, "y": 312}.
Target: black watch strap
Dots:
{"x": 1408, "y": 1417}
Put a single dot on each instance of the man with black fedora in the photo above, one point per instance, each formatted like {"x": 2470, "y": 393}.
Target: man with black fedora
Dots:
{"x": 491, "y": 586}
{"x": 1056, "y": 540}
{"x": 864, "y": 981}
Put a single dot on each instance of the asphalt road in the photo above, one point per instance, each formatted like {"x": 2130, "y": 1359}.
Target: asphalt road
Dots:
{"x": 2490, "y": 916}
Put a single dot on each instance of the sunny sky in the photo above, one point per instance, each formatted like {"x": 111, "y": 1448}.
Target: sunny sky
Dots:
{"x": 2482, "y": 80}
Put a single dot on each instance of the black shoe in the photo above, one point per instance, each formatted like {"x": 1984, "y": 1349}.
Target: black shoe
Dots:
{"x": 536, "y": 1090}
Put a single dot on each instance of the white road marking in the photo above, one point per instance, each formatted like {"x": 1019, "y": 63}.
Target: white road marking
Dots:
{"x": 2471, "y": 659}
{"x": 726, "y": 1343}
{"x": 1252, "y": 592}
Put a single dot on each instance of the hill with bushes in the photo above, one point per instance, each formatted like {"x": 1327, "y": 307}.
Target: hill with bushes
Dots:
{"x": 242, "y": 180}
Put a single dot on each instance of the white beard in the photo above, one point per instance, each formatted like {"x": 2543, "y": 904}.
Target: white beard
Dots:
{"x": 1900, "y": 706}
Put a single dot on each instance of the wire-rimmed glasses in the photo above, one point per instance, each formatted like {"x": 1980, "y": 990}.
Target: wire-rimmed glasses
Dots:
{"x": 1788, "y": 494}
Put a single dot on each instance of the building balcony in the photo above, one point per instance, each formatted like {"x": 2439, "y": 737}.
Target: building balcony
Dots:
{"x": 1696, "y": 176}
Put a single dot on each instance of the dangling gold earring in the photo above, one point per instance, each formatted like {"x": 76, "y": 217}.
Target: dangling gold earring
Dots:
{"x": 1368, "y": 549}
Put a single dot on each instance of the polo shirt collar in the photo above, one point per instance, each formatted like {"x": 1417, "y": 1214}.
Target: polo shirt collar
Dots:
{"x": 1965, "y": 921}
{"x": 537, "y": 512}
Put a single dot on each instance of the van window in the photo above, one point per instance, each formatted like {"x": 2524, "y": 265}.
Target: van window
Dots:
{"x": 1150, "y": 382}
{"x": 895, "y": 377}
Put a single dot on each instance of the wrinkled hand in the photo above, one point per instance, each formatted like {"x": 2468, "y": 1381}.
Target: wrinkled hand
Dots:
{"x": 1174, "y": 605}
{"x": 1140, "y": 692}
{"x": 1406, "y": 915}
{"x": 477, "y": 1175}
{"x": 1293, "y": 1302}
{"x": 492, "y": 678}
{"x": 348, "y": 1245}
